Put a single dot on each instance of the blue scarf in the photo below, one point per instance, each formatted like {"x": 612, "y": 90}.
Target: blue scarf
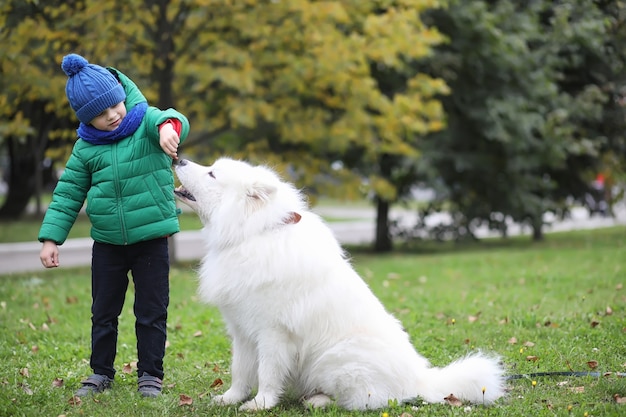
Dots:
{"x": 128, "y": 126}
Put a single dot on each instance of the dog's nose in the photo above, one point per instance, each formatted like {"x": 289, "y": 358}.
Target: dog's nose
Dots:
{"x": 180, "y": 162}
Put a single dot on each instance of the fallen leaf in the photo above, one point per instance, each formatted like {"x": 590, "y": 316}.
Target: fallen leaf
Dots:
{"x": 578, "y": 389}
{"x": 57, "y": 382}
{"x": 529, "y": 344}
{"x": 180, "y": 355}
{"x": 74, "y": 400}
{"x": 197, "y": 334}
{"x": 26, "y": 388}
{"x": 185, "y": 400}
{"x": 24, "y": 372}
{"x": 71, "y": 300}
{"x": 127, "y": 369}
{"x": 594, "y": 323}
{"x": 619, "y": 400}
{"x": 217, "y": 383}
{"x": 513, "y": 340}
{"x": 452, "y": 400}
{"x": 405, "y": 414}
{"x": 34, "y": 349}
{"x": 592, "y": 364}
{"x": 532, "y": 358}
{"x": 562, "y": 383}
{"x": 619, "y": 287}
{"x": 472, "y": 319}
{"x": 609, "y": 310}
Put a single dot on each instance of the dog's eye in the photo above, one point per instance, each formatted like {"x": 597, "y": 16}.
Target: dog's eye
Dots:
{"x": 211, "y": 174}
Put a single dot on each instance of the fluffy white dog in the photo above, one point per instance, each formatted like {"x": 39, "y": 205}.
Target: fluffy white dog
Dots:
{"x": 301, "y": 319}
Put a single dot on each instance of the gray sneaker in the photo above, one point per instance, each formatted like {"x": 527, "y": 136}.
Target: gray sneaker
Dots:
{"x": 94, "y": 384}
{"x": 149, "y": 386}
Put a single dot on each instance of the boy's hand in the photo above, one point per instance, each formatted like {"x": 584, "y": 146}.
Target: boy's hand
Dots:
{"x": 169, "y": 140}
{"x": 49, "y": 254}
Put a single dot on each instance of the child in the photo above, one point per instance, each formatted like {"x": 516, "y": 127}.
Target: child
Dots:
{"x": 121, "y": 165}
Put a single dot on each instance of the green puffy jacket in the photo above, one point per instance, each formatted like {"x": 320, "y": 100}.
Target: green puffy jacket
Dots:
{"x": 128, "y": 184}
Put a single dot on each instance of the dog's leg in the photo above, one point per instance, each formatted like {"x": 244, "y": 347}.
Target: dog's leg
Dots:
{"x": 243, "y": 370}
{"x": 277, "y": 360}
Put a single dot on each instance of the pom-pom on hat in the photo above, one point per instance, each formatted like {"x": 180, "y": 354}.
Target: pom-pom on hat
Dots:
{"x": 90, "y": 88}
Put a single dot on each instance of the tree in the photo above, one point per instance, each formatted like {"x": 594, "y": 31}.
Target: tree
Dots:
{"x": 306, "y": 81}
{"x": 293, "y": 84}
{"x": 514, "y": 147}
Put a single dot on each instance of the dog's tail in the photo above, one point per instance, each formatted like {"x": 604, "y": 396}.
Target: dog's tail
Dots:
{"x": 476, "y": 378}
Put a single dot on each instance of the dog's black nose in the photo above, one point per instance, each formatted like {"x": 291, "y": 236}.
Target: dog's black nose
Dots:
{"x": 181, "y": 162}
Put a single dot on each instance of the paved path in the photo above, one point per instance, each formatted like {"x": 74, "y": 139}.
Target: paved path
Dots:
{"x": 24, "y": 257}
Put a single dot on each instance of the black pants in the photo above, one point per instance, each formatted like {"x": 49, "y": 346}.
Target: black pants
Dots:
{"x": 148, "y": 263}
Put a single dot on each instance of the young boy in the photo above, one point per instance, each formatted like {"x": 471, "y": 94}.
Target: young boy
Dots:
{"x": 121, "y": 166}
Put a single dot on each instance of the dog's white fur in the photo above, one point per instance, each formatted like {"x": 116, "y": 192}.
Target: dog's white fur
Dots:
{"x": 301, "y": 320}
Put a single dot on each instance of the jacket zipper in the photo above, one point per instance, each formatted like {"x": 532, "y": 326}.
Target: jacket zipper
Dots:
{"x": 118, "y": 192}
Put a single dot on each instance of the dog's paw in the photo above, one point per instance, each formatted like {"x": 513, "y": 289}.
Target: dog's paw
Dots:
{"x": 317, "y": 401}
{"x": 228, "y": 398}
{"x": 259, "y": 402}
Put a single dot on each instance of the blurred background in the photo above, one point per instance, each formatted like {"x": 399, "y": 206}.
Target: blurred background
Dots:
{"x": 493, "y": 112}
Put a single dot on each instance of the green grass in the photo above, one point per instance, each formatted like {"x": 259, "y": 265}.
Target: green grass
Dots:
{"x": 562, "y": 300}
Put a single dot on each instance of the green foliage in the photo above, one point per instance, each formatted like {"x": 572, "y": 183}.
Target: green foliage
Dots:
{"x": 526, "y": 115}
{"x": 559, "y": 302}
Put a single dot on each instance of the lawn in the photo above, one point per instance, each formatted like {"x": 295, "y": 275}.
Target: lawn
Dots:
{"x": 559, "y": 305}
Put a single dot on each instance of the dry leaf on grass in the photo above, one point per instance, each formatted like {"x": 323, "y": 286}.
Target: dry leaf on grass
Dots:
{"x": 532, "y": 358}
{"x": 185, "y": 400}
{"x": 452, "y": 400}
{"x": 474, "y": 318}
{"x": 592, "y": 364}
{"x": 619, "y": 400}
{"x": 26, "y": 388}
{"x": 128, "y": 368}
{"x": 75, "y": 401}
{"x": 512, "y": 340}
{"x": 57, "y": 382}
{"x": 217, "y": 383}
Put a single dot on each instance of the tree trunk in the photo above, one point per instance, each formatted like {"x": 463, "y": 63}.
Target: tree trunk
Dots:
{"x": 21, "y": 178}
{"x": 537, "y": 229}
{"x": 163, "y": 74}
{"x": 383, "y": 239}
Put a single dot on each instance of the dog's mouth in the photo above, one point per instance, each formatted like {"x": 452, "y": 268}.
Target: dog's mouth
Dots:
{"x": 184, "y": 194}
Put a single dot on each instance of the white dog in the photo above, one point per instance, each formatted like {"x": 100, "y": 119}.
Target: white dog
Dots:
{"x": 301, "y": 319}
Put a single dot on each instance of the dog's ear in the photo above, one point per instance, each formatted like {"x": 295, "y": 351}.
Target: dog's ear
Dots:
{"x": 258, "y": 194}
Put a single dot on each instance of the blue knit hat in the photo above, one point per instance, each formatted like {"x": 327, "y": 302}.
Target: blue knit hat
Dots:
{"x": 90, "y": 88}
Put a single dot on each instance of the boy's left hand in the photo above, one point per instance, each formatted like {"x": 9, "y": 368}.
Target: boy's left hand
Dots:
{"x": 169, "y": 140}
